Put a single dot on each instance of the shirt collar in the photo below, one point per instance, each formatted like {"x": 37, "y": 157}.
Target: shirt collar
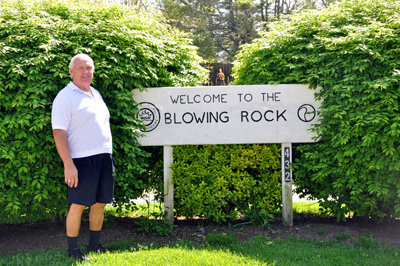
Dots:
{"x": 73, "y": 87}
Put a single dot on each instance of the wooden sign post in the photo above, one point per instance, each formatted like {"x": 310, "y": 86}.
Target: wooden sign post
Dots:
{"x": 168, "y": 186}
{"x": 287, "y": 199}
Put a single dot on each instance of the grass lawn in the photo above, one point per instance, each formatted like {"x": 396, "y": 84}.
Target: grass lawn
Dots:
{"x": 258, "y": 251}
{"x": 223, "y": 249}
{"x": 305, "y": 207}
{"x": 136, "y": 210}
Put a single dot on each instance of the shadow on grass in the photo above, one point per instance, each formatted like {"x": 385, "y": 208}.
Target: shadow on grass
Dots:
{"x": 222, "y": 249}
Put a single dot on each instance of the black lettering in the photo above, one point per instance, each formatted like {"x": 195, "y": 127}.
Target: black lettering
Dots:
{"x": 174, "y": 100}
{"x": 224, "y": 119}
{"x": 222, "y": 99}
{"x": 198, "y": 119}
{"x": 214, "y": 117}
{"x": 194, "y": 98}
{"x": 256, "y": 120}
{"x": 188, "y": 100}
{"x": 209, "y": 98}
{"x": 191, "y": 118}
{"x": 276, "y": 96}
{"x": 272, "y": 96}
{"x": 244, "y": 114}
{"x": 240, "y": 97}
{"x": 265, "y": 115}
{"x": 175, "y": 122}
{"x": 181, "y": 99}
{"x": 216, "y": 97}
{"x": 167, "y": 118}
{"x": 248, "y": 97}
{"x": 280, "y": 115}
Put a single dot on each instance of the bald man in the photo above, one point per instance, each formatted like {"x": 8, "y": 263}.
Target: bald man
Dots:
{"x": 81, "y": 130}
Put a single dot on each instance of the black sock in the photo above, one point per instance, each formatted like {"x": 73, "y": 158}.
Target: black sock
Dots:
{"x": 72, "y": 242}
{"x": 94, "y": 238}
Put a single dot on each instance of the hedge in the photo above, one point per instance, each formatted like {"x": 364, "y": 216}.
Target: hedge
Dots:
{"x": 352, "y": 51}
{"x": 37, "y": 41}
{"x": 220, "y": 182}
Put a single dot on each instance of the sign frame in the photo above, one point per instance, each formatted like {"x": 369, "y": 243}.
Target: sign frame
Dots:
{"x": 152, "y": 116}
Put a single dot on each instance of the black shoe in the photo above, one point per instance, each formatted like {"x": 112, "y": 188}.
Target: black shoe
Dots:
{"x": 77, "y": 254}
{"x": 98, "y": 248}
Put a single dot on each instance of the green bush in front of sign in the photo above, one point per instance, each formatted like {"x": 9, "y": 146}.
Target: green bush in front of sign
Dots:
{"x": 218, "y": 181}
{"x": 37, "y": 41}
{"x": 352, "y": 51}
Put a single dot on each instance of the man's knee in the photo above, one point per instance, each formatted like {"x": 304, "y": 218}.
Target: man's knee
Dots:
{"x": 76, "y": 208}
{"x": 98, "y": 206}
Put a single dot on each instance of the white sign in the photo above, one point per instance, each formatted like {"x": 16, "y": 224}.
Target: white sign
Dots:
{"x": 227, "y": 114}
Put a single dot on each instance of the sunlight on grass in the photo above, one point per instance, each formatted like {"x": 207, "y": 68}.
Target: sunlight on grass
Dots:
{"x": 306, "y": 207}
{"x": 259, "y": 251}
{"x": 135, "y": 210}
{"x": 310, "y": 207}
{"x": 174, "y": 256}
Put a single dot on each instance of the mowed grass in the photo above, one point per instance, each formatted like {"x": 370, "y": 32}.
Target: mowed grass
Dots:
{"x": 306, "y": 207}
{"x": 136, "y": 210}
{"x": 259, "y": 251}
{"x": 309, "y": 207}
{"x": 221, "y": 249}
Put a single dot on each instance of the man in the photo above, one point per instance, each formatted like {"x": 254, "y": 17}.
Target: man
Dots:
{"x": 81, "y": 130}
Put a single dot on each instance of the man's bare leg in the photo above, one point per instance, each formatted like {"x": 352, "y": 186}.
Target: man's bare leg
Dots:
{"x": 96, "y": 217}
{"x": 74, "y": 219}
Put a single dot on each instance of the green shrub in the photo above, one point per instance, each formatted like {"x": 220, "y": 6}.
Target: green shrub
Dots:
{"x": 256, "y": 217}
{"x": 216, "y": 181}
{"x": 37, "y": 41}
{"x": 351, "y": 50}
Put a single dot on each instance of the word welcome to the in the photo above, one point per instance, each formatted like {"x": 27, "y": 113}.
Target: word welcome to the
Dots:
{"x": 221, "y": 98}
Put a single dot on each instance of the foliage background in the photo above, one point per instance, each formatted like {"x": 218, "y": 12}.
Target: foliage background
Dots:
{"x": 218, "y": 27}
{"x": 351, "y": 50}
{"x": 37, "y": 41}
{"x": 219, "y": 181}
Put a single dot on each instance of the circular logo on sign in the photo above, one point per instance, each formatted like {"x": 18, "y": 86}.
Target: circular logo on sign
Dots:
{"x": 306, "y": 113}
{"x": 149, "y": 115}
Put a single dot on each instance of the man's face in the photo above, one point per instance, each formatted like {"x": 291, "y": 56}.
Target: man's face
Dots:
{"x": 82, "y": 72}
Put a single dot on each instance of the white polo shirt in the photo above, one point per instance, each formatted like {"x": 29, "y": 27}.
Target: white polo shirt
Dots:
{"x": 86, "y": 120}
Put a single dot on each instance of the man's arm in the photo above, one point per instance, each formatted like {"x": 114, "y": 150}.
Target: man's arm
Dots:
{"x": 70, "y": 171}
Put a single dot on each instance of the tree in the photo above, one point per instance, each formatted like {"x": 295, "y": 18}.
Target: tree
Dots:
{"x": 272, "y": 10}
{"x": 37, "y": 41}
{"x": 218, "y": 28}
{"x": 350, "y": 49}
{"x": 137, "y": 5}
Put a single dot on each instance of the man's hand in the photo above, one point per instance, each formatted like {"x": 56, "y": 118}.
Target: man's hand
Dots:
{"x": 71, "y": 175}
{"x": 70, "y": 171}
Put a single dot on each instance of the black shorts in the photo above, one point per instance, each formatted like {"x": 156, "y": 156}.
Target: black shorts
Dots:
{"x": 95, "y": 180}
